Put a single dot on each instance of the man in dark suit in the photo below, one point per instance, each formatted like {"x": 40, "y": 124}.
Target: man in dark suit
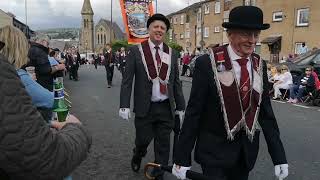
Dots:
{"x": 157, "y": 93}
{"x": 109, "y": 60}
{"x": 228, "y": 105}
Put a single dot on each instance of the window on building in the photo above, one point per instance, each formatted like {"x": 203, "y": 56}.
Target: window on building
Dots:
{"x": 187, "y": 18}
{"x": 247, "y": 2}
{"x": 217, "y": 7}
{"x": 171, "y": 20}
{"x": 277, "y": 16}
{"x": 181, "y": 36}
{"x": 257, "y": 49}
{"x": 298, "y": 47}
{"x": 303, "y": 17}
{"x": 207, "y": 9}
{"x": 187, "y": 26}
{"x": 199, "y": 30}
{"x": 105, "y": 39}
{"x": 187, "y": 34}
{"x": 175, "y": 20}
{"x": 206, "y": 32}
{"x": 98, "y": 39}
{"x": 182, "y": 19}
{"x": 216, "y": 29}
{"x": 199, "y": 16}
{"x": 227, "y": 5}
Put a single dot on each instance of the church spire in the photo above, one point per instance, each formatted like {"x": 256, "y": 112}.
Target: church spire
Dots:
{"x": 86, "y": 8}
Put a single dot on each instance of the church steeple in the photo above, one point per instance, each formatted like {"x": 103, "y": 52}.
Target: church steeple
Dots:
{"x": 87, "y": 29}
{"x": 86, "y": 8}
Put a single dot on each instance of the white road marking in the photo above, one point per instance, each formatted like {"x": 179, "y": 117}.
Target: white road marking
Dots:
{"x": 282, "y": 102}
{"x": 298, "y": 105}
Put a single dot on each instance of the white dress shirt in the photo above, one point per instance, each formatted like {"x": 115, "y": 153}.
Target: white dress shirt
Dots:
{"x": 157, "y": 96}
{"x": 236, "y": 65}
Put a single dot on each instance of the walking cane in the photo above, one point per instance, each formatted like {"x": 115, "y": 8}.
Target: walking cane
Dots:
{"x": 190, "y": 174}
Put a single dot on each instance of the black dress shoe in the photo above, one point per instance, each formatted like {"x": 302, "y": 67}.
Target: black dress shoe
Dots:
{"x": 135, "y": 163}
{"x": 157, "y": 173}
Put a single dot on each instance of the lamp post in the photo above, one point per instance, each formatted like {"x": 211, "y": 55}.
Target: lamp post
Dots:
{"x": 111, "y": 23}
{"x": 86, "y": 44}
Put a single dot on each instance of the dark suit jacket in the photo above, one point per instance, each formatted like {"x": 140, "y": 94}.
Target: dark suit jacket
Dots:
{"x": 109, "y": 58}
{"x": 204, "y": 125}
{"x": 143, "y": 86}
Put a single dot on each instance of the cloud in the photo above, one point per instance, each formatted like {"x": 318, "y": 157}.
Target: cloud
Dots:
{"x": 44, "y": 14}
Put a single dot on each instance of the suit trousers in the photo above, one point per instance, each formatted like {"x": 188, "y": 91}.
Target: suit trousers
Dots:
{"x": 238, "y": 172}
{"x": 157, "y": 126}
{"x": 109, "y": 71}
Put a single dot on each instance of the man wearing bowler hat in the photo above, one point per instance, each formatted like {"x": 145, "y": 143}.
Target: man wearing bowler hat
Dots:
{"x": 229, "y": 105}
{"x": 158, "y": 93}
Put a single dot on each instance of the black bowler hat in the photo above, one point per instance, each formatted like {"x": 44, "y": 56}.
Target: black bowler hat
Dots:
{"x": 246, "y": 17}
{"x": 159, "y": 17}
{"x": 1, "y": 45}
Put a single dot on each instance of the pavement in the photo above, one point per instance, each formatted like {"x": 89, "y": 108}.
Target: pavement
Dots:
{"x": 113, "y": 139}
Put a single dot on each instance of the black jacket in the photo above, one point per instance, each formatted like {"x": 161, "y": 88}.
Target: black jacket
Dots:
{"x": 204, "y": 125}
{"x": 38, "y": 55}
{"x": 29, "y": 149}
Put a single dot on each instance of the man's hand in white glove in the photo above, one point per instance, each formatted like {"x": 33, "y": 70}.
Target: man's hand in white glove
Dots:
{"x": 124, "y": 113}
{"x": 281, "y": 171}
{"x": 181, "y": 117}
{"x": 180, "y": 171}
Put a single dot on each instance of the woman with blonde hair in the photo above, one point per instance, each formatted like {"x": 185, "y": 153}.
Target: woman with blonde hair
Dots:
{"x": 284, "y": 81}
{"x": 16, "y": 51}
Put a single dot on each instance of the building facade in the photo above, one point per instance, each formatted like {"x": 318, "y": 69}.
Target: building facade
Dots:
{"x": 293, "y": 22}
{"x": 86, "y": 30}
{"x": 103, "y": 31}
{"x": 10, "y": 19}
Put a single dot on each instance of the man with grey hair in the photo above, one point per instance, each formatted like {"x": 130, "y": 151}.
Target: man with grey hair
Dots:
{"x": 38, "y": 54}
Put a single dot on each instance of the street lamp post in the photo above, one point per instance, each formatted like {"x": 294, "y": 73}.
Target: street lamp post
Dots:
{"x": 86, "y": 44}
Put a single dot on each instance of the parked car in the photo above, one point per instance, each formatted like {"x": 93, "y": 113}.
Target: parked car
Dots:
{"x": 298, "y": 65}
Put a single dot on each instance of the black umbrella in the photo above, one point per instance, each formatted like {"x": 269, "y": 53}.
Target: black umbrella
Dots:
{"x": 190, "y": 174}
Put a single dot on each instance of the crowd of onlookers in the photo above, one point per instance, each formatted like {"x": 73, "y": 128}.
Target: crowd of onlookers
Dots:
{"x": 32, "y": 145}
{"x": 294, "y": 90}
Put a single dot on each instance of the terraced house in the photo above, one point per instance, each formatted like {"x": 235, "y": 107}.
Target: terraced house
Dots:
{"x": 293, "y": 22}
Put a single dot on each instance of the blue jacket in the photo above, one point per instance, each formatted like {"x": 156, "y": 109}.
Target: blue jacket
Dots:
{"x": 41, "y": 97}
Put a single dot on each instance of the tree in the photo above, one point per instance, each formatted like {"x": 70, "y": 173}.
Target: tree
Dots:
{"x": 116, "y": 45}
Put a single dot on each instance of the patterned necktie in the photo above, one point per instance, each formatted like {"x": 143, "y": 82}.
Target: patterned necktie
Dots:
{"x": 163, "y": 87}
{"x": 244, "y": 84}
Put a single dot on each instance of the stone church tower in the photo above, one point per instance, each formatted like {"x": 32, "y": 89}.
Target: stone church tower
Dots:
{"x": 86, "y": 31}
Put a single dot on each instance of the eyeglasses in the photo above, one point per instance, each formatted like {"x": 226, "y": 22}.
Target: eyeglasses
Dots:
{"x": 284, "y": 69}
{"x": 308, "y": 69}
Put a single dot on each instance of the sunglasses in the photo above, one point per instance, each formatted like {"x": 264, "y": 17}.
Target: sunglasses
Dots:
{"x": 308, "y": 69}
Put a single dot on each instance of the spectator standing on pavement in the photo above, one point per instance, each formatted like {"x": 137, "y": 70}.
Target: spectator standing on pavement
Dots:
{"x": 228, "y": 104}
{"x": 157, "y": 93}
{"x": 109, "y": 61}
{"x": 185, "y": 61}
{"x": 16, "y": 52}
{"x": 32, "y": 150}
{"x": 38, "y": 55}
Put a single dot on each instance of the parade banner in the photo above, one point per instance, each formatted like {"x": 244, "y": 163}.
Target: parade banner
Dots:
{"x": 135, "y": 14}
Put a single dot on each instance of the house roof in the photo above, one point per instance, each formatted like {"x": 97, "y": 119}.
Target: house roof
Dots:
{"x": 193, "y": 6}
{"x": 86, "y": 8}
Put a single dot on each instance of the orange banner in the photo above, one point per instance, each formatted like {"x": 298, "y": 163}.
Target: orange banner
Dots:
{"x": 135, "y": 14}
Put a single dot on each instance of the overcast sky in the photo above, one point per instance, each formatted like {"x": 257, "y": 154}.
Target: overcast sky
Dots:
{"x": 43, "y": 14}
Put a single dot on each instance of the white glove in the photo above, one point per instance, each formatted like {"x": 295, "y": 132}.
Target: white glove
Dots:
{"x": 281, "y": 171}
{"x": 124, "y": 113}
{"x": 180, "y": 172}
{"x": 181, "y": 117}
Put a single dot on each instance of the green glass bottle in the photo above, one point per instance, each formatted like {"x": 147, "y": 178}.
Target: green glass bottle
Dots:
{"x": 59, "y": 106}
